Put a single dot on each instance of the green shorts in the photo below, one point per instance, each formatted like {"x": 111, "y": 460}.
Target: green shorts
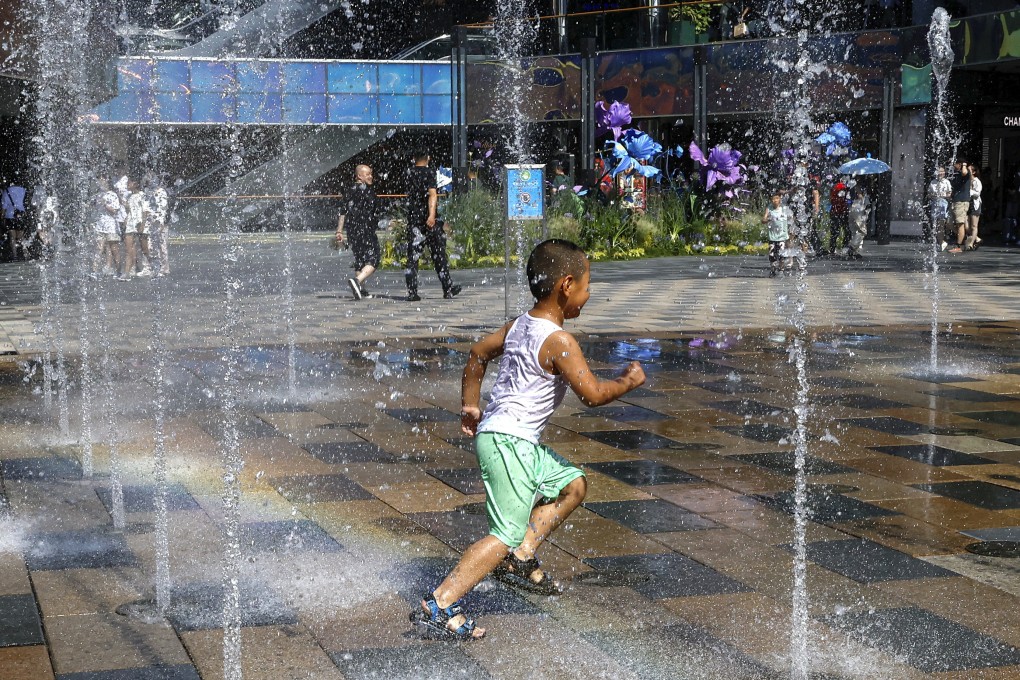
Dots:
{"x": 516, "y": 473}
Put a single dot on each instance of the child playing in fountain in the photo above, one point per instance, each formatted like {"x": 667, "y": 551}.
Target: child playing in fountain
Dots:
{"x": 539, "y": 361}
{"x": 778, "y": 219}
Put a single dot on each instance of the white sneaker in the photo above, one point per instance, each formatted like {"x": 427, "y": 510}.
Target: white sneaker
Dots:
{"x": 944, "y": 245}
{"x": 145, "y": 272}
{"x": 355, "y": 288}
{"x": 108, "y": 271}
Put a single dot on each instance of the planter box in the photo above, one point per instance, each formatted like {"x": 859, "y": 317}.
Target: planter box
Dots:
{"x": 682, "y": 33}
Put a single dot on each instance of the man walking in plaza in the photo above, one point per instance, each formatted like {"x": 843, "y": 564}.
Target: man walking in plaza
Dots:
{"x": 423, "y": 229}
{"x": 359, "y": 217}
{"x": 960, "y": 205}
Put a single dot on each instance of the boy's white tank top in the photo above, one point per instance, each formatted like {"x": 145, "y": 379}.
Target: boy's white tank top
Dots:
{"x": 525, "y": 394}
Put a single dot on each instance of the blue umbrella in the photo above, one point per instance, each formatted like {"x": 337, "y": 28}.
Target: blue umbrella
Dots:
{"x": 864, "y": 166}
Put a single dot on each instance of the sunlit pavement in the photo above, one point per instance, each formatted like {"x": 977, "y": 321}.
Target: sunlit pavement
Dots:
{"x": 359, "y": 491}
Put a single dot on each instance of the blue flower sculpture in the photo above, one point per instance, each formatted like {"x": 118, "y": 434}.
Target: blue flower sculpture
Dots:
{"x": 633, "y": 148}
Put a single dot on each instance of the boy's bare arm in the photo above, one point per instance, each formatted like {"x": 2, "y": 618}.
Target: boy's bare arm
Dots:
{"x": 482, "y": 352}
{"x": 563, "y": 355}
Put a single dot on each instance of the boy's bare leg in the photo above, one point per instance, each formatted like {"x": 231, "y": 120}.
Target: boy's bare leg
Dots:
{"x": 475, "y": 564}
{"x": 545, "y": 518}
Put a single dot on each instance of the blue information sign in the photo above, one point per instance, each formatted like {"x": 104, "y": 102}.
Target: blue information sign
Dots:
{"x": 525, "y": 192}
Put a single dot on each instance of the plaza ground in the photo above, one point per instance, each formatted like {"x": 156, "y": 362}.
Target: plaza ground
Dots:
{"x": 359, "y": 490}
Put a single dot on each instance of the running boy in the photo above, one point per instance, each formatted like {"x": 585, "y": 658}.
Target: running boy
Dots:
{"x": 539, "y": 361}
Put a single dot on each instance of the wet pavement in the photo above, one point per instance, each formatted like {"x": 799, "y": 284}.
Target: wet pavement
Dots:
{"x": 359, "y": 491}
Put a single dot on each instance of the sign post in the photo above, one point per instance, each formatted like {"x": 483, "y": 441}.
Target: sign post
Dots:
{"x": 524, "y": 200}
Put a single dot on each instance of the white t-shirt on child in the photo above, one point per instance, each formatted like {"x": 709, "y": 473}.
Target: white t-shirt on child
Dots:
{"x": 107, "y": 208}
{"x": 525, "y": 394}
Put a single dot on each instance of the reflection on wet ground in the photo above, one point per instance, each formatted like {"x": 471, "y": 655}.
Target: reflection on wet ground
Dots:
{"x": 359, "y": 491}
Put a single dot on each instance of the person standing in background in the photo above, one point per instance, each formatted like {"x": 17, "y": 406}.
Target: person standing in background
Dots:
{"x": 13, "y": 201}
{"x": 423, "y": 228}
{"x": 960, "y": 202}
{"x": 157, "y": 202}
{"x": 974, "y": 214}
{"x": 359, "y": 217}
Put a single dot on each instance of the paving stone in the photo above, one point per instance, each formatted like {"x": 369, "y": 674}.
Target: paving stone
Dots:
{"x": 868, "y": 562}
{"x": 928, "y": 642}
{"x": 337, "y": 453}
{"x": 143, "y": 498}
{"x": 97, "y": 548}
{"x": 19, "y": 621}
{"x": 759, "y": 432}
{"x": 667, "y": 575}
{"x": 287, "y": 537}
{"x": 423, "y": 415}
{"x": 651, "y": 516}
{"x": 424, "y": 661}
{"x": 199, "y": 606}
{"x": 632, "y": 440}
{"x": 964, "y": 394}
{"x": 466, "y": 480}
{"x": 678, "y": 650}
{"x": 827, "y": 507}
{"x": 178, "y": 672}
{"x": 46, "y": 468}
{"x": 319, "y": 488}
{"x": 932, "y": 455}
{"x": 642, "y": 472}
{"x": 887, "y": 424}
{"x": 981, "y": 494}
{"x": 784, "y": 463}
{"x": 1011, "y": 418}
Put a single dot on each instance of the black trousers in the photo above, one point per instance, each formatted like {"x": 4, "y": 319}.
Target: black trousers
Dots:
{"x": 839, "y": 226}
{"x": 435, "y": 239}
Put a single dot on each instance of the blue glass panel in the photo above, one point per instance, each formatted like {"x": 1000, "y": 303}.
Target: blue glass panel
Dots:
{"x": 147, "y": 107}
{"x": 171, "y": 76}
{"x": 353, "y": 108}
{"x": 399, "y": 78}
{"x": 353, "y": 78}
{"x": 258, "y": 76}
{"x": 212, "y": 76}
{"x": 437, "y": 110}
{"x": 260, "y": 108}
{"x": 304, "y": 78}
{"x": 435, "y": 78}
{"x": 172, "y": 107}
{"x": 396, "y": 108}
{"x": 211, "y": 108}
{"x": 124, "y": 108}
{"x": 304, "y": 108}
{"x": 134, "y": 75}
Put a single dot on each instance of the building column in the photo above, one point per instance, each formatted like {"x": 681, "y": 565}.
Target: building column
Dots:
{"x": 586, "y": 174}
{"x": 701, "y": 96}
{"x": 883, "y": 207}
{"x": 458, "y": 93}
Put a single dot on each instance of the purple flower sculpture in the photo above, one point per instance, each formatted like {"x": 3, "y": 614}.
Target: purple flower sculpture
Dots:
{"x": 611, "y": 119}
{"x": 722, "y": 165}
{"x": 634, "y": 147}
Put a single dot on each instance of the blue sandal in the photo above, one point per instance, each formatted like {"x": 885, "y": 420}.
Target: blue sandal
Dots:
{"x": 516, "y": 572}
{"x": 433, "y": 623}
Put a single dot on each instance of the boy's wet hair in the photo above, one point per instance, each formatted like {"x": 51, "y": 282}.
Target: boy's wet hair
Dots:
{"x": 550, "y": 261}
{"x": 420, "y": 155}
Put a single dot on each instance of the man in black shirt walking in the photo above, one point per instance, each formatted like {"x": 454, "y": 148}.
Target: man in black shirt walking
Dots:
{"x": 359, "y": 214}
{"x": 423, "y": 229}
